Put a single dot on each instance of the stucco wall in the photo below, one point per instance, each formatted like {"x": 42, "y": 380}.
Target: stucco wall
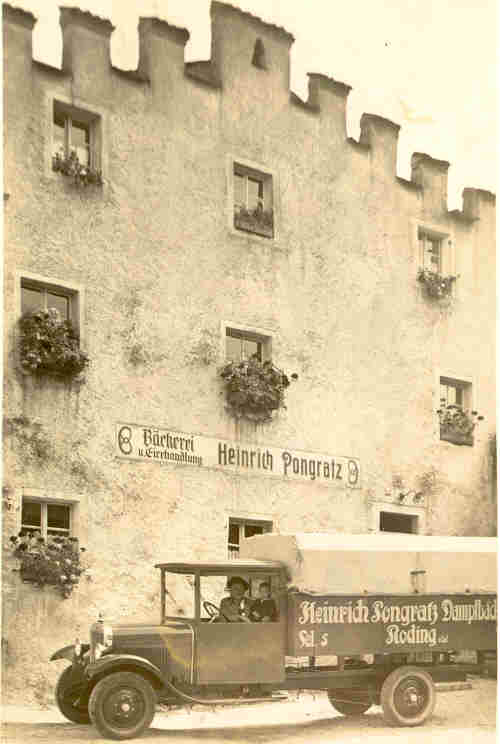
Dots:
{"x": 159, "y": 269}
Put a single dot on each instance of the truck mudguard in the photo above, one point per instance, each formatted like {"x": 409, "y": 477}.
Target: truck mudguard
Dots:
{"x": 113, "y": 662}
{"x": 64, "y": 653}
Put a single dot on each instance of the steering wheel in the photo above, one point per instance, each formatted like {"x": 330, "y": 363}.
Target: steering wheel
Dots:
{"x": 213, "y": 611}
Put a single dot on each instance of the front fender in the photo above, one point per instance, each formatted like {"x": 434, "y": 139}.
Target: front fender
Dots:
{"x": 114, "y": 662}
{"x": 67, "y": 652}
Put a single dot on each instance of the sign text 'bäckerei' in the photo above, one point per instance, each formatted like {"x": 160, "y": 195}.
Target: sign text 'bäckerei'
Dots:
{"x": 152, "y": 444}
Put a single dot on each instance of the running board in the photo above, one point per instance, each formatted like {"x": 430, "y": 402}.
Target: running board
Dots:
{"x": 452, "y": 686}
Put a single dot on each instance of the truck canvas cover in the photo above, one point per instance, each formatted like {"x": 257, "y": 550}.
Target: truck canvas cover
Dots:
{"x": 357, "y": 593}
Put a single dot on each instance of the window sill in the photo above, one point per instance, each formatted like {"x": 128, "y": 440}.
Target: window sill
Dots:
{"x": 457, "y": 438}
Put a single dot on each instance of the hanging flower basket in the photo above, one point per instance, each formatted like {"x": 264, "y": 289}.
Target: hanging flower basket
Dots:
{"x": 82, "y": 175}
{"x": 437, "y": 286}
{"x": 50, "y": 346}
{"x": 259, "y": 221}
{"x": 457, "y": 424}
{"x": 56, "y": 562}
{"x": 254, "y": 389}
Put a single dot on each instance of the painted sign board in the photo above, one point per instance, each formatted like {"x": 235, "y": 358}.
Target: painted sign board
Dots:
{"x": 390, "y": 623}
{"x": 158, "y": 445}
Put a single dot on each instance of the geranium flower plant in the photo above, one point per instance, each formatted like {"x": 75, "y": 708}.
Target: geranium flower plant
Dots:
{"x": 49, "y": 345}
{"x": 55, "y": 561}
{"x": 437, "y": 286}
{"x": 457, "y": 424}
{"x": 83, "y": 175}
{"x": 254, "y": 389}
{"x": 258, "y": 220}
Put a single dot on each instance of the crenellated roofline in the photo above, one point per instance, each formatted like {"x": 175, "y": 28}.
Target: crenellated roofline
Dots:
{"x": 161, "y": 44}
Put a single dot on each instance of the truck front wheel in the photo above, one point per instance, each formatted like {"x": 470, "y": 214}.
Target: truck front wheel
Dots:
{"x": 408, "y": 696}
{"x": 70, "y": 693}
{"x": 349, "y": 702}
{"x": 122, "y": 705}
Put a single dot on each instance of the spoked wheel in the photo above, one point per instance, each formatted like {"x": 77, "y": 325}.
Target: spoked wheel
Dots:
{"x": 122, "y": 705}
{"x": 349, "y": 702}
{"x": 408, "y": 696}
{"x": 71, "y": 699}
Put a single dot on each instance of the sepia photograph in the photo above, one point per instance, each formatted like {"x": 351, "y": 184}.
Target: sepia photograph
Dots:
{"x": 249, "y": 450}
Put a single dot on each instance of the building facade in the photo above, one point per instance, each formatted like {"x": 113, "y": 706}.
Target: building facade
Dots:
{"x": 233, "y": 219}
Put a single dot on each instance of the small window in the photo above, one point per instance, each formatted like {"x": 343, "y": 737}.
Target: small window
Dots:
{"x": 431, "y": 252}
{"x": 259, "y": 55}
{"x": 253, "y": 201}
{"x": 49, "y": 518}
{"x": 242, "y": 345}
{"x": 36, "y": 295}
{"x": 397, "y": 522}
{"x": 240, "y": 528}
{"x": 75, "y": 132}
{"x": 455, "y": 392}
{"x": 457, "y": 420}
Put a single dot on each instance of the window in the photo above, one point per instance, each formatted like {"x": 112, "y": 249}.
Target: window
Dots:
{"x": 396, "y": 522}
{"x": 457, "y": 423}
{"x": 75, "y": 131}
{"x": 253, "y": 201}
{"x": 454, "y": 392}
{"x": 431, "y": 252}
{"x": 240, "y": 528}
{"x": 51, "y": 519}
{"x": 43, "y": 295}
{"x": 242, "y": 345}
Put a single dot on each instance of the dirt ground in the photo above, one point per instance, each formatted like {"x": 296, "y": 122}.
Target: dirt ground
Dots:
{"x": 459, "y": 716}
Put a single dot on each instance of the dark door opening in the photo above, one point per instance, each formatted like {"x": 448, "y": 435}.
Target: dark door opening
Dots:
{"x": 394, "y": 522}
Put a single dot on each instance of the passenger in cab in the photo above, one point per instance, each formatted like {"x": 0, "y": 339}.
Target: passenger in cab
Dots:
{"x": 264, "y": 610}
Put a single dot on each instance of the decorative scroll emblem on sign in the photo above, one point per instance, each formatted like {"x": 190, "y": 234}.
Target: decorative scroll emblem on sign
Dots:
{"x": 166, "y": 446}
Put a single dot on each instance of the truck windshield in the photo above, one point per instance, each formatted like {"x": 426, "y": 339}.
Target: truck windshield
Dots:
{"x": 179, "y": 595}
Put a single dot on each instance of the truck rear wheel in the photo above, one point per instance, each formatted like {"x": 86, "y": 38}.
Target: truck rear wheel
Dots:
{"x": 348, "y": 702}
{"x": 122, "y": 705}
{"x": 68, "y": 694}
{"x": 408, "y": 696}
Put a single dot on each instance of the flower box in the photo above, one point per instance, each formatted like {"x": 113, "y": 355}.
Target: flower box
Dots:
{"x": 456, "y": 437}
{"x": 437, "y": 286}
{"x": 257, "y": 221}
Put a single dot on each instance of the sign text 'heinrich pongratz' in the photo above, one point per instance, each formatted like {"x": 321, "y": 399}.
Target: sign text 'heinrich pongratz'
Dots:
{"x": 152, "y": 444}
{"x": 391, "y": 623}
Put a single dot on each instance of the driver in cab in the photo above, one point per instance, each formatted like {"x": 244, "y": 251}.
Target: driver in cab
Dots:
{"x": 236, "y": 607}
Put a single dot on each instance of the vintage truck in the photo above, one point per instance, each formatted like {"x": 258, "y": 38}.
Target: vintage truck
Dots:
{"x": 364, "y": 646}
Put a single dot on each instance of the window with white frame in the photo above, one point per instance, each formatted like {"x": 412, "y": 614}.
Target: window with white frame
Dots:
{"x": 44, "y": 295}
{"x": 240, "y": 528}
{"x": 75, "y": 131}
{"x": 49, "y": 518}
{"x": 455, "y": 392}
{"x": 431, "y": 251}
{"x": 253, "y": 201}
{"x": 242, "y": 345}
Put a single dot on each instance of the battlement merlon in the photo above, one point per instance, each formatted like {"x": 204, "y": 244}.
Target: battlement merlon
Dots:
{"x": 21, "y": 23}
{"x": 161, "y": 50}
{"x": 432, "y": 176}
{"x": 381, "y": 135}
{"x": 86, "y": 43}
{"x": 329, "y": 97}
{"x": 235, "y": 34}
{"x": 476, "y": 202}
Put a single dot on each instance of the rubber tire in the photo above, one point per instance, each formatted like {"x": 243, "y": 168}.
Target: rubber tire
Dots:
{"x": 113, "y": 682}
{"x": 392, "y": 715}
{"x": 75, "y": 715}
{"x": 347, "y": 709}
